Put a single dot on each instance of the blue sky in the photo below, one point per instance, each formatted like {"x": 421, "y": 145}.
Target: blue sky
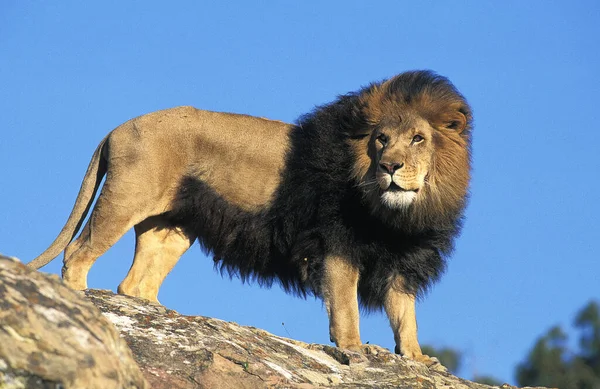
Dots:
{"x": 528, "y": 256}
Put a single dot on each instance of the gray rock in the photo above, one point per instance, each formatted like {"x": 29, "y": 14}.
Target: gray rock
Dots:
{"x": 52, "y": 337}
{"x": 177, "y": 351}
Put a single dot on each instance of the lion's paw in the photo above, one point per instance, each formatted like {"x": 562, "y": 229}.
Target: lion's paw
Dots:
{"x": 430, "y": 362}
{"x": 366, "y": 349}
{"x": 370, "y": 349}
{"x": 355, "y": 348}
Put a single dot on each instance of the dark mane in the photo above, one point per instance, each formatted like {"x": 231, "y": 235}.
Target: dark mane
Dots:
{"x": 319, "y": 209}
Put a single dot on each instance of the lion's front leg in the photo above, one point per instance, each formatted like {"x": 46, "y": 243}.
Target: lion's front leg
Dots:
{"x": 340, "y": 288}
{"x": 400, "y": 308}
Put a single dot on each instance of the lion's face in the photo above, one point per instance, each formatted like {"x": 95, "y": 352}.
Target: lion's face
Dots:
{"x": 401, "y": 158}
{"x": 411, "y": 148}
{"x": 393, "y": 161}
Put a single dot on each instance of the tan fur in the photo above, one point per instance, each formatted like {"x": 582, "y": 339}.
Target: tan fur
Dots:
{"x": 400, "y": 308}
{"x": 158, "y": 248}
{"x": 340, "y": 283}
{"x": 239, "y": 156}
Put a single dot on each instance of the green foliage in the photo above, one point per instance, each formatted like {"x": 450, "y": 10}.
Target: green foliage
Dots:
{"x": 551, "y": 363}
{"x": 487, "y": 380}
{"x": 588, "y": 322}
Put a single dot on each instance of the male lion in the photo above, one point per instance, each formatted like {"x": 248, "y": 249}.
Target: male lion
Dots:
{"x": 362, "y": 198}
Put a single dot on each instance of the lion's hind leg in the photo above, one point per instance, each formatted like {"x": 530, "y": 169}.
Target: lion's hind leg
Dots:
{"x": 109, "y": 221}
{"x": 158, "y": 247}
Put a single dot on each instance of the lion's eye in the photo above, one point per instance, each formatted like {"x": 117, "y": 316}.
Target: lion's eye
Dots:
{"x": 383, "y": 139}
{"x": 418, "y": 139}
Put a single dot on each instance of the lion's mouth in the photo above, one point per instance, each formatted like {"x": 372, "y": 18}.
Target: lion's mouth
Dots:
{"x": 396, "y": 196}
{"x": 388, "y": 184}
{"x": 397, "y": 188}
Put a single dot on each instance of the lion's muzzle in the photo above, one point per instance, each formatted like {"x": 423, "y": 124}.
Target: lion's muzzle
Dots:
{"x": 399, "y": 187}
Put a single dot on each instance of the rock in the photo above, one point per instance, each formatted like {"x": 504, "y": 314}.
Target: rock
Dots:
{"x": 177, "y": 351}
{"x": 52, "y": 337}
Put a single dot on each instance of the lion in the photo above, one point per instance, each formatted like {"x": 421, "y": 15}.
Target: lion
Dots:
{"x": 359, "y": 201}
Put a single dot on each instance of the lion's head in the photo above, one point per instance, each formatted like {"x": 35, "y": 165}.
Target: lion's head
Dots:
{"x": 412, "y": 147}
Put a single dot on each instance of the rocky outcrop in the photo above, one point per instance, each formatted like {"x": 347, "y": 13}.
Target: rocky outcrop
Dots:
{"x": 176, "y": 351}
{"x": 51, "y": 335}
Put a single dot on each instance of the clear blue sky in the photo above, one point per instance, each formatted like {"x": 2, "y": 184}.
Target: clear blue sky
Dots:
{"x": 528, "y": 258}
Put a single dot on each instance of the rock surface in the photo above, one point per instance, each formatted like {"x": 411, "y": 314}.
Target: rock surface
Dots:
{"x": 51, "y": 337}
{"x": 176, "y": 351}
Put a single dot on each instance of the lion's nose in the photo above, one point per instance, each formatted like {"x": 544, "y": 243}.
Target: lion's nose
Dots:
{"x": 390, "y": 167}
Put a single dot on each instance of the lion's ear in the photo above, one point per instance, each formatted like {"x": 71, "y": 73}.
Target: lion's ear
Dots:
{"x": 456, "y": 121}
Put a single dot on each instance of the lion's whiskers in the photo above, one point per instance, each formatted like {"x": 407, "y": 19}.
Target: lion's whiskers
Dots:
{"x": 367, "y": 183}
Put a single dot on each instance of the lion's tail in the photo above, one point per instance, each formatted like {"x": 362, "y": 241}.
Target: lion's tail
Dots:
{"x": 91, "y": 181}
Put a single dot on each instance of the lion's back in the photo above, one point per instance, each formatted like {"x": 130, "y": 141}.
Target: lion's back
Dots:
{"x": 239, "y": 156}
